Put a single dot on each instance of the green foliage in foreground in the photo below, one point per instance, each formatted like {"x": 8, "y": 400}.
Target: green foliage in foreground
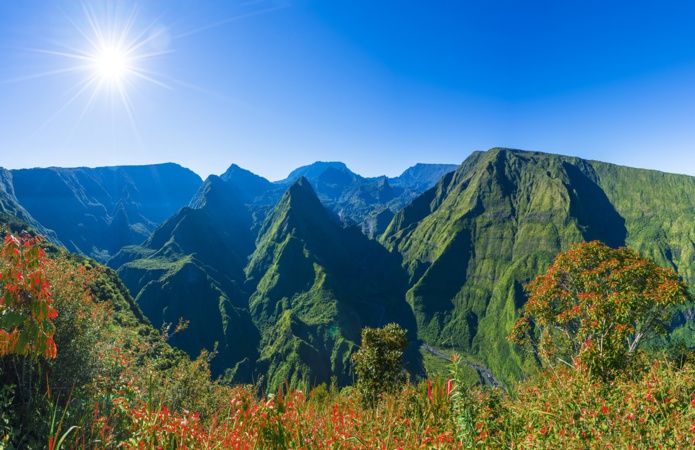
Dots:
{"x": 597, "y": 306}
{"x": 379, "y": 362}
{"x": 653, "y": 407}
{"x": 113, "y": 384}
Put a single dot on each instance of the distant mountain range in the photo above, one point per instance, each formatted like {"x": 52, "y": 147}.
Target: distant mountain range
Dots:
{"x": 98, "y": 211}
{"x": 282, "y": 276}
{"x": 369, "y": 203}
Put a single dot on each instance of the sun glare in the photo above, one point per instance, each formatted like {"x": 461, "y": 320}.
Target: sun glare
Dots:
{"x": 112, "y": 64}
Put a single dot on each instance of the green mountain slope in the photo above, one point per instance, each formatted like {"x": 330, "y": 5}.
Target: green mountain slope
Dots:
{"x": 192, "y": 268}
{"x": 470, "y": 243}
{"x": 315, "y": 285}
{"x": 286, "y": 303}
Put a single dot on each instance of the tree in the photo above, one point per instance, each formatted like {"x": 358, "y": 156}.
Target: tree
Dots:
{"x": 26, "y": 306}
{"x": 379, "y": 362}
{"x": 596, "y": 306}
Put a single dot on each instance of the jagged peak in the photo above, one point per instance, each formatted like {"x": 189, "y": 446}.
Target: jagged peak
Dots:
{"x": 298, "y": 204}
{"x": 216, "y": 191}
{"x": 302, "y": 196}
{"x": 301, "y": 186}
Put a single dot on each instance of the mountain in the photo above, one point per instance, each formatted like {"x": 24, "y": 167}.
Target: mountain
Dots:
{"x": 315, "y": 285}
{"x": 470, "y": 243}
{"x": 192, "y": 267}
{"x": 286, "y": 302}
{"x": 252, "y": 188}
{"x": 98, "y": 211}
{"x": 422, "y": 176}
{"x": 316, "y": 170}
{"x": 9, "y": 206}
{"x": 350, "y": 197}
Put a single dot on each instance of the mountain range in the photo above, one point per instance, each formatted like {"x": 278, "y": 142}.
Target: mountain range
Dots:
{"x": 98, "y": 211}
{"x": 280, "y": 277}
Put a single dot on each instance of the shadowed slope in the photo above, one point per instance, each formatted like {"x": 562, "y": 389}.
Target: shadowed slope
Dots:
{"x": 192, "y": 268}
{"x": 98, "y": 211}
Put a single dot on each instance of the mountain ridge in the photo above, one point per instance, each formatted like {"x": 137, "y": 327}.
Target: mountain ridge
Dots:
{"x": 97, "y": 211}
{"x": 284, "y": 277}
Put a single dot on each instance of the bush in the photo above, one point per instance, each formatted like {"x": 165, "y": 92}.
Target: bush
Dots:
{"x": 379, "y": 362}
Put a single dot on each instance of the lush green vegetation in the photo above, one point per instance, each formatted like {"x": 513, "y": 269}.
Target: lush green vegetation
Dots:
{"x": 270, "y": 274}
{"x": 289, "y": 306}
{"x": 379, "y": 364}
{"x": 471, "y": 243}
{"x": 111, "y": 381}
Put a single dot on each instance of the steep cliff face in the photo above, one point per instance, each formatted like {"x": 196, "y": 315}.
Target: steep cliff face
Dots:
{"x": 471, "y": 243}
{"x": 192, "y": 267}
{"x": 10, "y": 206}
{"x": 98, "y": 211}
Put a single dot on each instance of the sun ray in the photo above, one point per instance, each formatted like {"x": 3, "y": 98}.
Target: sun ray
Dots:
{"x": 86, "y": 84}
{"x": 42, "y": 75}
{"x": 232, "y": 19}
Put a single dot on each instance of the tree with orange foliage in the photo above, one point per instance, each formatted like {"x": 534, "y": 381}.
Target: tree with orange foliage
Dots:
{"x": 595, "y": 307}
{"x": 26, "y": 310}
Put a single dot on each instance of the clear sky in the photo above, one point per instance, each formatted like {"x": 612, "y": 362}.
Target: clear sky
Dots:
{"x": 381, "y": 85}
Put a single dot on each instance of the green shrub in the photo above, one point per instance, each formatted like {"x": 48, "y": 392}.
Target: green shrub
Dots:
{"x": 379, "y": 362}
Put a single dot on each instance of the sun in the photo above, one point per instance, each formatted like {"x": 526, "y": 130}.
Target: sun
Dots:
{"x": 114, "y": 53}
{"x": 113, "y": 64}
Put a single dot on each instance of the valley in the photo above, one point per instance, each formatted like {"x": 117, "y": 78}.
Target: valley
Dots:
{"x": 280, "y": 277}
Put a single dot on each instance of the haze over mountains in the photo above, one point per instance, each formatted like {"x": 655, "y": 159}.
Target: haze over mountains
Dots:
{"x": 283, "y": 276}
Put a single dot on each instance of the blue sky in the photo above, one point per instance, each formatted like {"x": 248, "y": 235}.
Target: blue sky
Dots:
{"x": 380, "y": 85}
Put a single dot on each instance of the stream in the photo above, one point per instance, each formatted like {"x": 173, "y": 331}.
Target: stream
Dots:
{"x": 484, "y": 373}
